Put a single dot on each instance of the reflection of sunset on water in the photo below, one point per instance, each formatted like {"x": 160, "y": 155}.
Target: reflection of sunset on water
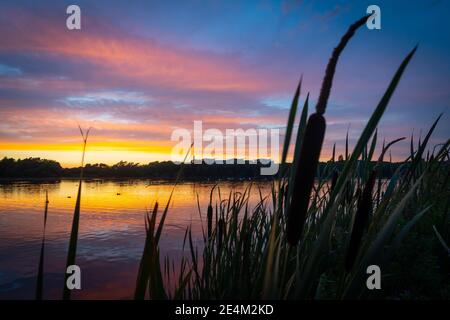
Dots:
{"x": 111, "y": 232}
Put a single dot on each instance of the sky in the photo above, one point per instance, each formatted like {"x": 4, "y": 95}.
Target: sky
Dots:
{"x": 138, "y": 70}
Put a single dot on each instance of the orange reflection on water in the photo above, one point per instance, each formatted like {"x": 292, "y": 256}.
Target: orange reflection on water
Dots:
{"x": 111, "y": 231}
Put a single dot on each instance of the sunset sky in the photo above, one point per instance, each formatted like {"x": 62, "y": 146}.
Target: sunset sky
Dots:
{"x": 137, "y": 70}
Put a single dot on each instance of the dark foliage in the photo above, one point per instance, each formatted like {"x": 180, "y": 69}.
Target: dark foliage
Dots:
{"x": 30, "y": 168}
{"x": 42, "y": 168}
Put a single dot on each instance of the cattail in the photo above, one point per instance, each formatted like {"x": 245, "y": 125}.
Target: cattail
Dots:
{"x": 220, "y": 233}
{"x": 333, "y": 154}
{"x": 304, "y": 180}
{"x": 348, "y": 192}
{"x": 209, "y": 218}
{"x": 334, "y": 179}
{"x": 346, "y": 145}
{"x": 361, "y": 216}
{"x": 312, "y": 145}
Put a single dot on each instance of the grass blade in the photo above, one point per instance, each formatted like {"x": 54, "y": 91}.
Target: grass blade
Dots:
{"x": 40, "y": 276}
{"x": 75, "y": 223}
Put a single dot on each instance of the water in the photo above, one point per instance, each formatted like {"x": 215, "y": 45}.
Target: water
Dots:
{"x": 111, "y": 232}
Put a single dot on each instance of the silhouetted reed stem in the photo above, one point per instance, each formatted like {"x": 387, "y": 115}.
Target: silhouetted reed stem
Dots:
{"x": 334, "y": 180}
{"x": 221, "y": 231}
{"x": 209, "y": 218}
{"x": 40, "y": 277}
{"x": 149, "y": 273}
{"x": 75, "y": 223}
{"x": 209, "y": 214}
{"x": 145, "y": 263}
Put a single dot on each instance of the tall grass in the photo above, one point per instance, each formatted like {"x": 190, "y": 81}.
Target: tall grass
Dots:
{"x": 72, "y": 252}
{"x": 246, "y": 259}
{"x": 316, "y": 233}
{"x": 149, "y": 273}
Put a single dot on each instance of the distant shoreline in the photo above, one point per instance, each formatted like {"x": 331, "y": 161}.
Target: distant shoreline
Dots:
{"x": 89, "y": 179}
{"x": 36, "y": 169}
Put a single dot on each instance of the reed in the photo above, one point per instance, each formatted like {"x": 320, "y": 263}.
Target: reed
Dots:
{"x": 220, "y": 233}
{"x": 304, "y": 179}
{"x": 361, "y": 217}
{"x": 149, "y": 273}
{"x": 146, "y": 263}
{"x": 235, "y": 262}
{"x": 245, "y": 255}
{"x": 40, "y": 276}
{"x": 209, "y": 214}
{"x": 312, "y": 146}
{"x": 366, "y": 203}
{"x": 209, "y": 218}
{"x": 72, "y": 252}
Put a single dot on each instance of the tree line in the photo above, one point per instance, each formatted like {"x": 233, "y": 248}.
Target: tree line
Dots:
{"x": 43, "y": 168}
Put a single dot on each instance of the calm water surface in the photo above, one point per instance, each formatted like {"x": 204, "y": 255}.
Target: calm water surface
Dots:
{"x": 111, "y": 232}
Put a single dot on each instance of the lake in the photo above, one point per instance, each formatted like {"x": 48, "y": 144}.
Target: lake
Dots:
{"x": 111, "y": 232}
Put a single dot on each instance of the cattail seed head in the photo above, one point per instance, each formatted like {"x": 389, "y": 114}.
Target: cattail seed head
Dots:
{"x": 304, "y": 177}
{"x": 361, "y": 216}
{"x": 209, "y": 218}
{"x": 220, "y": 232}
{"x": 334, "y": 179}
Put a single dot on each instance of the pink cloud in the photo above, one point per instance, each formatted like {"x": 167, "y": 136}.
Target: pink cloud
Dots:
{"x": 133, "y": 58}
